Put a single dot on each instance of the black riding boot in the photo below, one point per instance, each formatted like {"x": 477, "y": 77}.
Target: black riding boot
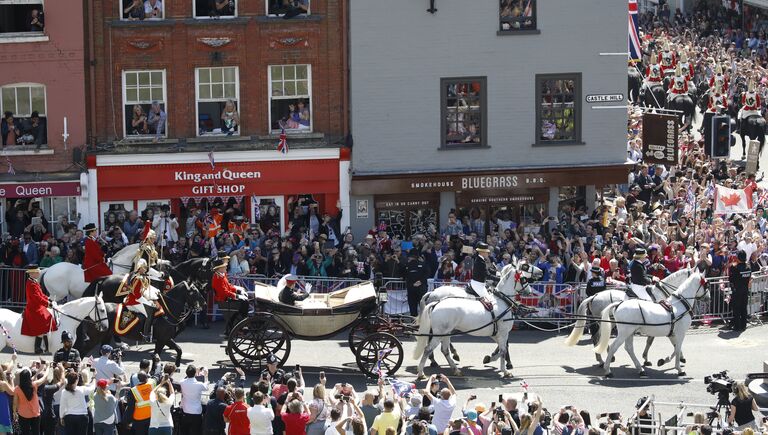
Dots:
{"x": 147, "y": 334}
{"x": 38, "y": 344}
{"x": 45, "y": 344}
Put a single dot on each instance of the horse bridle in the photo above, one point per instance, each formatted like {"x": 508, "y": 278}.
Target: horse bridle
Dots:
{"x": 87, "y": 319}
{"x": 186, "y": 311}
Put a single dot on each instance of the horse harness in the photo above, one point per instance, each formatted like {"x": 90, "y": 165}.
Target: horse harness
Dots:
{"x": 511, "y": 305}
{"x": 86, "y": 319}
{"x": 668, "y": 307}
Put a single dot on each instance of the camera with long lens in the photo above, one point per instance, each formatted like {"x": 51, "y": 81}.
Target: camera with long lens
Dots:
{"x": 719, "y": 383}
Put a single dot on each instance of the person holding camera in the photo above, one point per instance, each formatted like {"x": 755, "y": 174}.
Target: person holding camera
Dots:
{"x": 73, "y": 408}
{"x": 213, "y": 417}
{"x": 109, "y": 365}
{"x": 444, "y": 403}
{"x": 191, "y": 404}
{"x": 161, "y": 402}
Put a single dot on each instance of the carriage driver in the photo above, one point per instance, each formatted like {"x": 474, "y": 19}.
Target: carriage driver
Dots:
{"x": 639, "y": 278}
{"x": 94, "y": 265}
{"x": 480, "y": 274}
{"x": 147, "y": 251}
{"x": 37, "y": 320}
{"x": 141, "y": 298}
{"x": 231, "y": 298}
{"x": 289, "y": 293}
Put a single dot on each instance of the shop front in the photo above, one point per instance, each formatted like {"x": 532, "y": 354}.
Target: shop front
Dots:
{"x": 408, "y": 204}
{"x": 41, "y": 201}
{"x": 258, "y": 186}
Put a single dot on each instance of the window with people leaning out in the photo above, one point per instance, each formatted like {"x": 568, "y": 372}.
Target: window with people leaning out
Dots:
{"x": 138, "y": 10}
{"x": 558, "y": 116}
{"x": 215, "y": 8}
{"x": 24, "y": 115}
{"x": 516, "y": 15}
{"x": 287, "y": 8}
{"x": 21, "y": 17}
{"x": 290, "y": 90}
{"x": 144, "y": 104}
{"x": 217, "y": 101}
{"x": 463, "y": 111}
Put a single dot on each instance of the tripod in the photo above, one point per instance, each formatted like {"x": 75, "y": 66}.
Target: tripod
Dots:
{"x": 722, "y": 404}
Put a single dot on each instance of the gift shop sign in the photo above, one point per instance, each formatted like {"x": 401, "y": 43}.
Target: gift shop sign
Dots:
{"x": 217, "y": 182}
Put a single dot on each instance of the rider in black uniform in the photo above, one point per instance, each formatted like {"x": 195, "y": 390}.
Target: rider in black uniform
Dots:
{"x": 595, "y": 284}
{"x": 480, "y": 273}
{"x": 638, "y": 277}
{"x": 739, "y": 276}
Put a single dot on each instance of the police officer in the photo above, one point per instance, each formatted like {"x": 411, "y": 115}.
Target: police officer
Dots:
{"x": 289, "y": 293}
{"x": 480, "y": 273}
{"x": 416, "y": 275}
{"x": 67, "y": 356}
{"x": 272, "y": 372}
{"x": 639, "y": 279}
{"x": 739, "y": 276}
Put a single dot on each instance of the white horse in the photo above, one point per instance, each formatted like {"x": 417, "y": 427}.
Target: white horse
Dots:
{"x": 652, "y": 319}
{"x": 595, "y": 304}
{"x": 64, "y": 280}
{"x": 525, "y": 274}
{"x": 459, "y": 315}
{"x": 71, "y": 314}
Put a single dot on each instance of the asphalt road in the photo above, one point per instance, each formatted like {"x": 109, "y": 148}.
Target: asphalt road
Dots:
{"x": 561, "y": 375}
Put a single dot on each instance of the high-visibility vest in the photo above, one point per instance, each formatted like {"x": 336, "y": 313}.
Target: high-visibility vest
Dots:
{"x": 141, "y": 393}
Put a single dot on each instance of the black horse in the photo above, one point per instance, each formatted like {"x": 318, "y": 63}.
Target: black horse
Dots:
{"x": 179, "y": 303}
{"x": 635, "y": 83}
{"x": 684, "y": 103}
{"x": 753, "y": 128}
{"x": 654, "y": 95}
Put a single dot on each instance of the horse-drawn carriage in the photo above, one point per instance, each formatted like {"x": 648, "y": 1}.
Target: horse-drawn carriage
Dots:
{"x": 272, "y": 325}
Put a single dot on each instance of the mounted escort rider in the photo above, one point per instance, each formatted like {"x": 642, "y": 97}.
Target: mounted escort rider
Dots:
{"x": 37, "y": 319}
{"x": 750, "y": 102}
{"x": 147, "y": 251}
{"x": 719, "y": 78}
{"x": 678, "y": 85}
{"x": 639, "y": 278}
{"x": 94, "y": 264}
{"x": 687, "y": 68}
{"x": 653, "y": 73}
{"x": 141, "y": 298}
{"x": 481, "y": 267}
{"x": 668, "y": 60}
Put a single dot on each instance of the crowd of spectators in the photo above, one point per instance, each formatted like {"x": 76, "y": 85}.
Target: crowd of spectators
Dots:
{"x": 23, "y": 131}
{"x": 70, "y": 395}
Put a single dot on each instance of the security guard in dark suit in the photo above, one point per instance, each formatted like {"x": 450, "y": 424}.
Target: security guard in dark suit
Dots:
{"x": 739, "y": 276}
{"x": 416, "y": 275}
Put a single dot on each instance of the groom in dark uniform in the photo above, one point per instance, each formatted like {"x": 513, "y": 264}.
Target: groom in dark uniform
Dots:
{"x": 480, "y": 273}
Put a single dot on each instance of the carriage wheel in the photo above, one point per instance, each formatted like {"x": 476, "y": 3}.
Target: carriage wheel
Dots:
{"x": 253, "y": 339}
{"x": 379, "y": 354}
{"x": 359, "y": 330}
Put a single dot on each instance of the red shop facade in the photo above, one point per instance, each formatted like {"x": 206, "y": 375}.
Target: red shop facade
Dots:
{"x": 259, "y": 183}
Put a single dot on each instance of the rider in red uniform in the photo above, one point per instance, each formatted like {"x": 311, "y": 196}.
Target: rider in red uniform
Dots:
{"x": 679, "y": 84}
{"x": 719, "y": 77}
{"x": 668, "y": 60}
{"x": 94, "y": 265}
{"x": 228, "y": 295}
{"x": 653, "y": 71}
{"x": 37, "y": 320}
{"x": 139, "y": 300}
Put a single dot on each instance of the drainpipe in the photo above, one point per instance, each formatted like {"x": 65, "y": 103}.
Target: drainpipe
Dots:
{"x": 91, "y": 126}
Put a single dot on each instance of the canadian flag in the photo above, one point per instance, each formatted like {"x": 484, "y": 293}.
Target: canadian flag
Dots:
{"x": 732, "y": 200}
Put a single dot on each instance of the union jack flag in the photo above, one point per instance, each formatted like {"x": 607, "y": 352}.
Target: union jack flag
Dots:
{"x": 256, "y": 208}
{"x": 211, "y": 160}
{"x": 282, "y": 146}
{"x": 690, "y": 199}
{"x": 710, "y": 191}
{"x": 762, "y": 199}
{"x": 10, "y": 166}
{"x": 635, "y": 49}
{"x": 524, "y": 385}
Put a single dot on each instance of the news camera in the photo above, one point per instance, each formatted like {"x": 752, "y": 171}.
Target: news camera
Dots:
{"x": 718, "y": 383}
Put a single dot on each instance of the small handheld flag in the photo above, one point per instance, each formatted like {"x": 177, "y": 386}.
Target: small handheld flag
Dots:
{"x": 282, "y": 146}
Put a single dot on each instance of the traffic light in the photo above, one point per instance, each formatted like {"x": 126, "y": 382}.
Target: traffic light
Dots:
{"x": 721, "y": 137}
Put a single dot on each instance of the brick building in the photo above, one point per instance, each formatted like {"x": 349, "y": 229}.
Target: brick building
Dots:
{"x": 224, "y": 84}
{"x": 42, "y": 84}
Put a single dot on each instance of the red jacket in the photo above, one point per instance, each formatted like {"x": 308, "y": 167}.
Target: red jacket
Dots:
{"x": 37, "y": 319}
{"x": 137, "y": 285}
{"x": 222, "y": 288}
{"x": 94, "y": 266}
{"x": 751, "y": 102}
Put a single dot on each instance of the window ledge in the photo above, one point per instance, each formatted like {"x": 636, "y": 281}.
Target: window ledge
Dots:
{"x": 558, "y": 144}
{"x": 463, "y": 147}
{"x": 291, "y": 135}
{"x": 27, "y": 150}
{"x": 218, "y": 138}
{"x": 15, "y": 38}
{"x": 204, "y": 21}
{"x": 141, "y": 23}
{"x": 276, "y": 19}
{"x": 145, "y": 141}
{"x": 518, "y": 32}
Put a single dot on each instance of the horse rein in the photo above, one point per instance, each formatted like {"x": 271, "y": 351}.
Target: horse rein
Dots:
{"x": 86, "y": 319}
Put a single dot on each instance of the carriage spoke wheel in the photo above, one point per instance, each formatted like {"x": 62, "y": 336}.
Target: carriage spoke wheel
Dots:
{"x": 379, "y": 353}
{"x": 253, "y": 339}
{"x": 359, "y": 330}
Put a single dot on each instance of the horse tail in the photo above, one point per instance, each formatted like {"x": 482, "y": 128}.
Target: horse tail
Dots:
{"x": 605, "y": 327}
{"x": 578, "y": 328}
{"x": 422, "y": 305}
{"x": 425, "y": 325}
